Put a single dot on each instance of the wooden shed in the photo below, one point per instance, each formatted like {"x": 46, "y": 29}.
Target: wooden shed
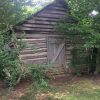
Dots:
{"x": 48, "y": 45}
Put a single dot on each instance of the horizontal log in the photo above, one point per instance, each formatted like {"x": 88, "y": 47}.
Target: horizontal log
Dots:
{"x": 35, "y": 36}
{"x": 69, "y": 48}
{"x": 42, "y": 22}
{"x": 32, "y": 36}
{"x": 32, "y": 56}
{"x": 46, "y": 19}
{"x": 35, "y": 29}
{"x": 68, "y": 52}
{"x": 68, "y": 61}
{"x": 35, "y": 61}
{"x": 36, "y": 46}
{"x": 54, "y": 12}
{"x": 40, "y": 40}
{"x": 39, "y": 32}
{"x": 51, "y": 15}
{"x": 36, "y": 43}
{"x": 40, "y": 36}
{"x": 33, "y": 51}
{"x": 38, "y": 26}
{"x": 69, "y": 57}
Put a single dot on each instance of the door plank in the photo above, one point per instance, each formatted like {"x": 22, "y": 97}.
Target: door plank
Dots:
{"x": 58, "y": 52}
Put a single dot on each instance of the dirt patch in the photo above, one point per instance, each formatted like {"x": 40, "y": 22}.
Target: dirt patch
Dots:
{"x": 22, "y": 88}
{"x": 17, "y": 92}
{"x": 73, "y": 79}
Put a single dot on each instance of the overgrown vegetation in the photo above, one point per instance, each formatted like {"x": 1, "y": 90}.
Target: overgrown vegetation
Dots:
{"x": 10, "y": 65}
{"x": 82, "y": 90}
{"x": 14, "y": 11}
{"x": 12, "y": 69}
{"x": 73, "y": 89}
{"x": 84, "y": 20}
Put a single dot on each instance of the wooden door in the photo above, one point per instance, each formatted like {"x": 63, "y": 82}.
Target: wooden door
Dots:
{"x": 56, "y": 51}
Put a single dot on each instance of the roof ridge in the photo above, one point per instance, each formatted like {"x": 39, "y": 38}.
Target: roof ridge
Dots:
{"x": 35, "y": 14}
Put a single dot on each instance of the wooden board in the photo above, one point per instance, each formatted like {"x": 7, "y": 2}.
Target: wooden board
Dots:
{"x": 44, "y": 20}
{"x": 56, "y": 51}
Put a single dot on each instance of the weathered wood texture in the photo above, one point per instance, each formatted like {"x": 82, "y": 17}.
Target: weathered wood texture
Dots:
{"x": 45, "y": 48}
{"x": 45, "y": 20}
{"x": 40, "y": 28}
{"x": 56, "y": 50}
{"x": 82, "y": 53}
{"x": 36, "y": 49}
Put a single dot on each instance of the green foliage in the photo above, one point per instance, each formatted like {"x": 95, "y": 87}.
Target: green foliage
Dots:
{"x": 75, "y": 62}
{"x": 11, "y": 67}
{"x": 81, "y": 89}
{"x": 9, "y": 57}
{"x": 39, "y": 75}
{"x": 83, "y": 22}
{"x": 79, "y": 58}
{"x": 14, "y": 11}
{"x": 39, "y": 80}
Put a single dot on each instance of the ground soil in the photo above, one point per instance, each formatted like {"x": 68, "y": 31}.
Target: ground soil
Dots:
{"x": 21, "y": 88}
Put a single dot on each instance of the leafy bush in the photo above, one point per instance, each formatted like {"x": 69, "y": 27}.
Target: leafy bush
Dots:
{"x": 11, "y": 67}
{"x": 39, "y": 80}
{"x": 80, "y": 60}
{"x": 75, "y": 62}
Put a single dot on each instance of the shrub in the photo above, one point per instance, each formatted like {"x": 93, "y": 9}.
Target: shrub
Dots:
{"x": 11, "y": 67}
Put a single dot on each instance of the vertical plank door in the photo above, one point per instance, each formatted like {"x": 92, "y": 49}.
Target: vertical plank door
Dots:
{"x": 56, "y": 51}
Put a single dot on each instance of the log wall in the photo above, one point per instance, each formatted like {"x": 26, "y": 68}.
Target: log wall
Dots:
{"x": 36, "y": 49}
{"x": 38, "y": 27}
{"x": 45, "y": 20}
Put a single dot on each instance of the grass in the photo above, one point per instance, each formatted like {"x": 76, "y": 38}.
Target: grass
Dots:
{"x": 85, "y": 90}
{"x": 81, "y": 89}
{"x": 1, "y": 94}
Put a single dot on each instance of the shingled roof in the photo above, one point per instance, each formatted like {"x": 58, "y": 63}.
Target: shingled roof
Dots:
{"x": 44, "y": 20}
